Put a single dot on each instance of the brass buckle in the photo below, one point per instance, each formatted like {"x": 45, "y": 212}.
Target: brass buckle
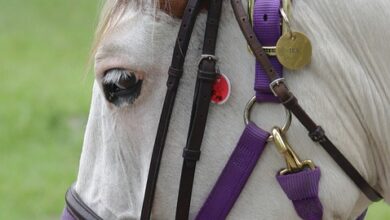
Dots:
{"x": 294, "y": 164}
{"x": 286, "y": 8}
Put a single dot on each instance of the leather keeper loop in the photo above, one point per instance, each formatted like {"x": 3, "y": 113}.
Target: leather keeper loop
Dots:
{"x": 290, "y": 102}
{"x": 207, "y": 75}
{"x": 175, "y": 72}
{"x": 192, "y": 155}
{"x": 317, "y": 135}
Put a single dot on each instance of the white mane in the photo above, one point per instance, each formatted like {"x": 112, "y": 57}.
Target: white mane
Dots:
{"x": 344, "y": 90}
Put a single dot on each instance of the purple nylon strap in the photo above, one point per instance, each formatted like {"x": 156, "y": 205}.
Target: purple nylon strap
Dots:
{"x": 302, "y": 189}
{"x": 266, "y": 25}
{"x": 235, "y": 174}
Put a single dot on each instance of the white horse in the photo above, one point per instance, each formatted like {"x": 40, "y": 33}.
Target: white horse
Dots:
{"x": 345, "y": 89}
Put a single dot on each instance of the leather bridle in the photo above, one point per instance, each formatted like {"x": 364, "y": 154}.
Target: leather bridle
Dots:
{"x": 205, "y": 78}
{"x": 206, "y": 75}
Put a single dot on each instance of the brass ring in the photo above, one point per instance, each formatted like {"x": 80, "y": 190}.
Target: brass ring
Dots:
{"x": 248, "y": 109}
{"x": 286, "y": 21}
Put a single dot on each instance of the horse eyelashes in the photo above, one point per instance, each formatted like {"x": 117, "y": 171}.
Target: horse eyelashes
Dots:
{"x": 121, "y": 86}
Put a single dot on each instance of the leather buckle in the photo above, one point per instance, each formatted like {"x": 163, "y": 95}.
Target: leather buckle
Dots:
{"x": 274, "y": 83}
{"x": 209, "y": 57}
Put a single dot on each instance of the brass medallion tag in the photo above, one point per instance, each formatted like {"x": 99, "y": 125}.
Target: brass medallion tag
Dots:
{"x": 293, "y": 50}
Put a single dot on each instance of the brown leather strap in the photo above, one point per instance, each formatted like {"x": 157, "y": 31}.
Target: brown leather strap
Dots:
{"x": 176, "y": 8}
{"x": 173, "y": 7}
{"x": 191, "y": 152}
{"x": 77, "y": 208}
{"x": 207, "y": 73}
{"x": 174, "y": 75}
{"x": 291, "y": 103}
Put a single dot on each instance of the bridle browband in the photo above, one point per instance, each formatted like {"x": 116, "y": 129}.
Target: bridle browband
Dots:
{"x": 206, "y": 75}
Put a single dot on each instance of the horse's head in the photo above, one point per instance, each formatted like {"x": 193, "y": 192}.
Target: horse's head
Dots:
{"x": 344, "y": 89}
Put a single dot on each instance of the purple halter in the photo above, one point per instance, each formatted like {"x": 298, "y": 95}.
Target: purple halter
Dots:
{"x": 235, "y": 174}
{"x": 302, "y": 187}
{"x": 266, "y": 25}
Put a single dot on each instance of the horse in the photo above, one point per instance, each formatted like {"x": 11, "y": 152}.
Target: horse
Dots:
{"x": 344, "y": 89}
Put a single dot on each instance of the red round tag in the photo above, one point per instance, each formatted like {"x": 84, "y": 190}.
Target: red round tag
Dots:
{"x": 221, "y": 90}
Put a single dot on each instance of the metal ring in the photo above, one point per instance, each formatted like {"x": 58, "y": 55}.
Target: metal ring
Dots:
{"x": 248, "y": 109}
{"x": 286, "y": 21}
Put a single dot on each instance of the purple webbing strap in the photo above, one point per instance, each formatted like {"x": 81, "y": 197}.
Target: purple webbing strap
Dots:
{"x": 302, "y": 189}
{"x": 266, "y": 25}
{"x": 235, "y": 174}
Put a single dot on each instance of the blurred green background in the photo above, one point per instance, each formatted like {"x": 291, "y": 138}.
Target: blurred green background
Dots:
{"x": 44, "y": 100}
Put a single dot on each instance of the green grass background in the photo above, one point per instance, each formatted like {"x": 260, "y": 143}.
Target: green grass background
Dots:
{"x": 44, "y": 101}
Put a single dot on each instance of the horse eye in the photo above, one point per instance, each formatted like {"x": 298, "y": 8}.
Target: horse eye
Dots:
{"x": 121, "y": 86}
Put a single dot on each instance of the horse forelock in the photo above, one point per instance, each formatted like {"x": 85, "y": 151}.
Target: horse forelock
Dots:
{"x": 112, "y": 11}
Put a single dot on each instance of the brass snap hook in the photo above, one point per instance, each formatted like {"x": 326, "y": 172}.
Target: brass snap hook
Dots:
{"x": 247, "y": 113}
{"x": 294, "y": 164}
